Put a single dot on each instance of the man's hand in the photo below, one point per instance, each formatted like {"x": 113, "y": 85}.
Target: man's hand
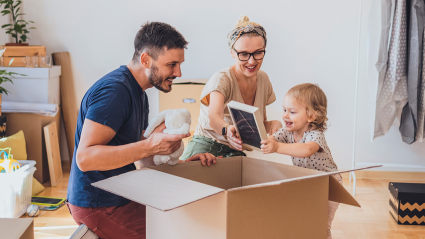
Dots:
{"x": 234, "y": 138}
{"x": 207, "y": 159}
{"x": 163, "y": 144}
{"x": 160, "y": 128}
{"x": 269, "y": 145}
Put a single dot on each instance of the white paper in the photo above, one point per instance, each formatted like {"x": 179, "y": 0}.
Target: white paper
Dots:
{"x": 25, "y": 107}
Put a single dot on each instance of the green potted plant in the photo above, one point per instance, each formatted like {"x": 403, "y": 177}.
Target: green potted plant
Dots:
{"x": 5, "y": 76}
{"x": 18, "y": 28}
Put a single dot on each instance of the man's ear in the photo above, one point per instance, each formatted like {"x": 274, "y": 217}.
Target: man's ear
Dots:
{"x": 145, "y": 60}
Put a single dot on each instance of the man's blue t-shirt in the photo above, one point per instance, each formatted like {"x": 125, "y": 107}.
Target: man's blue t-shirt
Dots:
{"x": 117, "y": 101}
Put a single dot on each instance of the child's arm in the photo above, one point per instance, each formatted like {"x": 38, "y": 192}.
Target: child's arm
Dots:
{"x": 299, "y": 150}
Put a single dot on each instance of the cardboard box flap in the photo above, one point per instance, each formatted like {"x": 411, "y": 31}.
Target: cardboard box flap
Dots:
{"x": 157, "y": 189}
{"x": 277, "y": 182}
{"x": 256, "y": 171}
{"x": 338, "y": 193}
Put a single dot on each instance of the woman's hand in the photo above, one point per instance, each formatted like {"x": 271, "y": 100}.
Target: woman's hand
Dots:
{"x": 217, "y": 122}
{"x": 234, "y": 138}
{"x": 207, "y": 159}
{"x": 269, "y": 145}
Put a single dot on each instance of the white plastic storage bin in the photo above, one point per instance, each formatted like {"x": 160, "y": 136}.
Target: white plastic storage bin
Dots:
{"x": 16, "y": 190}
{"x": 37, "y": 85}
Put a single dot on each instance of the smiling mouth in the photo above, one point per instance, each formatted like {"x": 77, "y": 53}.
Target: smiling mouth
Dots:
{"x": 250, "y": 68}
{"x": 288, "y": 124}
{"x": 170, "y": 79}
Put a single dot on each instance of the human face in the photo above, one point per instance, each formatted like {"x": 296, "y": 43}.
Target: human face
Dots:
{"x": 248, "y": 44}
{"x": 295, "y": 115}
{"x": 166, "y": 68}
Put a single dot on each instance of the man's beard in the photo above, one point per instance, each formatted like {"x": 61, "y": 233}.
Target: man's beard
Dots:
{"x": 156, "y": 80}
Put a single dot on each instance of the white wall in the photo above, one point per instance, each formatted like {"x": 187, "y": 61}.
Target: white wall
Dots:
{"x": 4, "y": 37}
{"x": 316, "y": 41}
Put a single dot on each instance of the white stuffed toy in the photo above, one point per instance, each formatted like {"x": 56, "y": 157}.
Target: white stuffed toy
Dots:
{"x": 177, "y": 121}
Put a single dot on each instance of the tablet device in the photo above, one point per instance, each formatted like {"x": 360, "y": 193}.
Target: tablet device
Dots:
{"x": 47, "y": 201}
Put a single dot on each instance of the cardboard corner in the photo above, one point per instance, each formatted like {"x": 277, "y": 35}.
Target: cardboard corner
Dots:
{"x": 338, "y": 193}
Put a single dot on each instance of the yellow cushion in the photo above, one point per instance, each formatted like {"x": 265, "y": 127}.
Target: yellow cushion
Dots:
{"x": 17, "y": 144}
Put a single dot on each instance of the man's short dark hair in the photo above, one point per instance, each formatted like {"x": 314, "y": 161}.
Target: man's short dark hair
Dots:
{"x": 154, "y": 36}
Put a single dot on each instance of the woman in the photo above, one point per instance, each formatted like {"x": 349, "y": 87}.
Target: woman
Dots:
{"x": 243, "y": 82}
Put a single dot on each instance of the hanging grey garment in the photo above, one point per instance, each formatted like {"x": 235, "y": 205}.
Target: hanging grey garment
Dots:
{"x": 409, "y": 115}
{"x": 421, "y": 102}
{"x": 392, "y": 88}
{"x": 386, "y": 20}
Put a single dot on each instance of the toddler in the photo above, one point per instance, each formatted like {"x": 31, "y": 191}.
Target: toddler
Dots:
{"x": 302, "y": 137}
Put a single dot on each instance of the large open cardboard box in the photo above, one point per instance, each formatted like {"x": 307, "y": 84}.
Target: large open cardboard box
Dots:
{"x": 239, "y": 197}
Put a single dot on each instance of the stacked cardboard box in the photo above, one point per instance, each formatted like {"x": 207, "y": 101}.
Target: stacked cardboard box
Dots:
{"x": 185, "y": 94}
{"x": 36, "y": 85}
{"x": 19, "y": 53}
{"x": 32, "y": 125}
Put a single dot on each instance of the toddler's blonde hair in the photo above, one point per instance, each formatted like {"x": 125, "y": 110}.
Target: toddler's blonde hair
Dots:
{"x": 315, "y": 101}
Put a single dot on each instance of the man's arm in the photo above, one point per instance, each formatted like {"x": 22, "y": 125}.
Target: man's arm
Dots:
{"x": 94, "y": 154}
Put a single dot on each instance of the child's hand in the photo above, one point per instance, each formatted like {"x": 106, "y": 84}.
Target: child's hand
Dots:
{"x": 269, "y": 145}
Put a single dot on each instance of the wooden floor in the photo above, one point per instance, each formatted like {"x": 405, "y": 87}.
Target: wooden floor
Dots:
{"x": 58, "y": 223}
{"x": 372, "y": 220}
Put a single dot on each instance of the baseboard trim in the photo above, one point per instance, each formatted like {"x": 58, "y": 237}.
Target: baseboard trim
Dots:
{"x": 391, "y": 175}
{"x": 393, "y": 167}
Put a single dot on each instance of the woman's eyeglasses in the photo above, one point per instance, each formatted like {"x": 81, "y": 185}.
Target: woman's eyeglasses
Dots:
{"x": 244, "y": 56}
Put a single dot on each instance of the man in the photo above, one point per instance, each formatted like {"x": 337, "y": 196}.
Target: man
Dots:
{"x": 108, "y": 139}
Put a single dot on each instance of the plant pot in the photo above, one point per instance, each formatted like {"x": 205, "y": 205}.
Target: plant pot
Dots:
{"x": 16, "y": 44}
